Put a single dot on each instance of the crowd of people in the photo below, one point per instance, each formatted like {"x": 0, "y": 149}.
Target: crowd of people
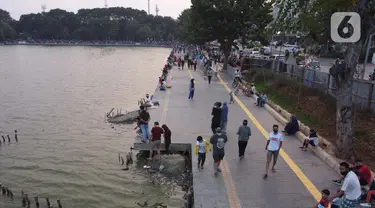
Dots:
{"x": 356, "y": 184}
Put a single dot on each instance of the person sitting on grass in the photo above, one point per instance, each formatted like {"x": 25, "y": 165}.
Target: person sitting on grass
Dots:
{"x": 313, "y": 140}
{"x": 292, "y": 126}
{"x": 262, "y": 99}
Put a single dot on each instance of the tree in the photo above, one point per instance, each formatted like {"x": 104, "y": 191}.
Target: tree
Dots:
{"x": 115, "y": 23}
{"x": 298, "y": 14}
{"x": 227, "y": 21}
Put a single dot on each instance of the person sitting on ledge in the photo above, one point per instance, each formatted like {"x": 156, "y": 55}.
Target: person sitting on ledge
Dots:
{"x": 163, "y": 85}
{"x": 262, "y": 99}
{"x": 292, "y": 126}
{"x": 312, "y": 139}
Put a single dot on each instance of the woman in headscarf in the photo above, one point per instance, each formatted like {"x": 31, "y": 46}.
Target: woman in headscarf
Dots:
{"x": 292, "y": 126}
{"x": 191, "y": 89}
{"x": 167, "y": 138}
{"x": 216, "y": 117}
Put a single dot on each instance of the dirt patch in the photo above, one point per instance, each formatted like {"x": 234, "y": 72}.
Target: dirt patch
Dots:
{"x": 318, "y": 110}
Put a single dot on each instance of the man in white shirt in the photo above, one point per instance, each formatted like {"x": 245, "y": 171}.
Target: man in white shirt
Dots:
{"x": 273, "y": 146}
{"x": 350, "y": 190}
{"x": 237, "y": 75}
{"x": 148, "y": 100}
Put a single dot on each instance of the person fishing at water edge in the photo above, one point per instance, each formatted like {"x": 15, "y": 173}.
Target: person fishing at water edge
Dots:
{"x": 144, "y": 117}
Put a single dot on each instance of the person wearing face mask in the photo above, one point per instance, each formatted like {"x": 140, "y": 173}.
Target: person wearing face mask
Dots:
{"x": 273, "y": 146}
{"x": 218, "y": 141}
{"x": 350, "y": 190}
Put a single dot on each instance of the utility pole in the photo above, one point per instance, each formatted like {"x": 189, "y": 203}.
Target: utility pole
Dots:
{"x": 44, "y": 7}
{"x": 157, "y": 10}
{"x": 105, "y": 4}
{"x": 148, "y": 7}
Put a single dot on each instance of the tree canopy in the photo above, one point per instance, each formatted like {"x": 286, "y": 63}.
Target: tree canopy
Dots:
{"x": 313, "y": 17}
{"x": 225, "y": 21}
{"x": 116, "y": 23}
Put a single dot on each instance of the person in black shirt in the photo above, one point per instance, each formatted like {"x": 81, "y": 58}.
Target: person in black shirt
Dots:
{"x": 167, "y": 138}
{"x": 216, "y": 117}
{"x": 144, "y": 118}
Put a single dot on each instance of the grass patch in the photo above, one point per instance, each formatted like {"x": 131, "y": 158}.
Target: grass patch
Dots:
{"x": 288, "y": 103}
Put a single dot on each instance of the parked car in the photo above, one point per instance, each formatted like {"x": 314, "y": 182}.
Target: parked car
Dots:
{"x": 277, "y": 57}
{"x": 314, "y": 65}
{"x": 255, "y": 54}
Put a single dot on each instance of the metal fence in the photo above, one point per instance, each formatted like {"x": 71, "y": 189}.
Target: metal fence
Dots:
{"x": 363, "y": 91}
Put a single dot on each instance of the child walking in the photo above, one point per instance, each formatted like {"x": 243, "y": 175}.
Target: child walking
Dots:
{"x": 201, "y": 149}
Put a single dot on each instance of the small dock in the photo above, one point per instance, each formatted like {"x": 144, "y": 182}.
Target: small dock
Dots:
{"x": 300, "y": 175}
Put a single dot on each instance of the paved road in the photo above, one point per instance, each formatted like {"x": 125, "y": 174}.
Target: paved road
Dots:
{"x": 326, "y": 63}
{"x": 299, "y": 177}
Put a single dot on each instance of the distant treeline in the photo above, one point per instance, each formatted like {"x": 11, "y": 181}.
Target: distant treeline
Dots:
{"x": 116, "y": 23}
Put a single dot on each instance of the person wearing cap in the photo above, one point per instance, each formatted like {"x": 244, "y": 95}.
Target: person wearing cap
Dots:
{"x": 218, "y": 141}
{"x": 244, "y": 133}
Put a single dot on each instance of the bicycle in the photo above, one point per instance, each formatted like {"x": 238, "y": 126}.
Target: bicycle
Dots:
{"x": 235, "y": 83}
{"x": 246, "y": 90}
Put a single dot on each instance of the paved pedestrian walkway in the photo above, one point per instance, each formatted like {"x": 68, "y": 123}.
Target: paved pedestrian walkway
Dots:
{"x": 299, "y": 175}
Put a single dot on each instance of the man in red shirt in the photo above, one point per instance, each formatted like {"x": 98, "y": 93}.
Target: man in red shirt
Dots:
{"x": 155, "y": 139}
{"x": 363, "y": 173}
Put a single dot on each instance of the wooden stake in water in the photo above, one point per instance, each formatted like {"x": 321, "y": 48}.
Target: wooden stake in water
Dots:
{"x": 15, "y": 135}
{"x": 48, "y": 203}
{"x": 8, "y": 138}
{"x": 59, "y": 203}
{"x": 36, "y": 201}
{"x": 3, "y": 138}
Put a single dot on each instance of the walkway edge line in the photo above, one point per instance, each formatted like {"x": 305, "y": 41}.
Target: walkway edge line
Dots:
{"x": 293, "y": 166}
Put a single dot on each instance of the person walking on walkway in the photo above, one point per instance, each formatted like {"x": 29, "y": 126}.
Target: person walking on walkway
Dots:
{"x": 350, "y": 190}
{"x": 167, "y": 138}
{"x": 155, "y": 139}
{"x": 209, "y": 75}
{"x": 216, "y": 117}
{"x": 218, "y": 141}
{"x": 224, "y": 118}
{"x": 182, "y": 63}
{"x": 244, "y": 133}
{"x": 273, "y": 146}
{"x": 191, "y": 89}
{"x": 201, "y": 148}
{"x": 144, "y": 117}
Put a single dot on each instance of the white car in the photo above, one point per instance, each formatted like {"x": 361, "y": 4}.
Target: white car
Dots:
{"x": 255, "y": 54}
{"x": 277, "y": 57}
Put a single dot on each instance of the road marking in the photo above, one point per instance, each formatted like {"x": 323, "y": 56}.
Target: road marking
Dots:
{"x": 301, "y": 176}
{"x": 234, "y": 201}
{"x": 165, "y": 109}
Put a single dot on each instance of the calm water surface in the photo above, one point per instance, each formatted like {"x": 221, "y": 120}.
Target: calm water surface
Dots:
{"x": 56, "y": 97}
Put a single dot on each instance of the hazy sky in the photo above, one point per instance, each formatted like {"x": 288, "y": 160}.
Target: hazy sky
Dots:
{"x": 18, "y": 7}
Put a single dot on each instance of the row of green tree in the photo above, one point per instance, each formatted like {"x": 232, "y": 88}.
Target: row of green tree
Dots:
{"x": 225, "y": 22}
{"x": 116, "y": 23}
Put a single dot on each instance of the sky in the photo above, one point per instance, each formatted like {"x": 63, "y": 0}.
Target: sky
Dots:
{"x": 167, "y": 7}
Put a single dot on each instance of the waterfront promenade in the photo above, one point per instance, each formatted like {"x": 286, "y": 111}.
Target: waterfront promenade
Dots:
{"x": 299, "y": 175}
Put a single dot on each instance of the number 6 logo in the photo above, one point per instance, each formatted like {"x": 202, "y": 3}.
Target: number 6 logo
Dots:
{"x": 345, "y": 27}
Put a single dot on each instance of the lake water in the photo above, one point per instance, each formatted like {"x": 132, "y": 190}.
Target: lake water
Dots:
{"x": 56, "y": 97}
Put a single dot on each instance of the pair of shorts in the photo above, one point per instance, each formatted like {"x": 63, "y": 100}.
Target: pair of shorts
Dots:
{"x": 218, "y": 156}
{"x": 274, "y": 154}
{"x": 311, "y": 142}
{"x": 156, "y": 144}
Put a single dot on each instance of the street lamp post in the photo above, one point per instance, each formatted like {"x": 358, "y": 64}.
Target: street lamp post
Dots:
{"x": 367, "y": 51}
